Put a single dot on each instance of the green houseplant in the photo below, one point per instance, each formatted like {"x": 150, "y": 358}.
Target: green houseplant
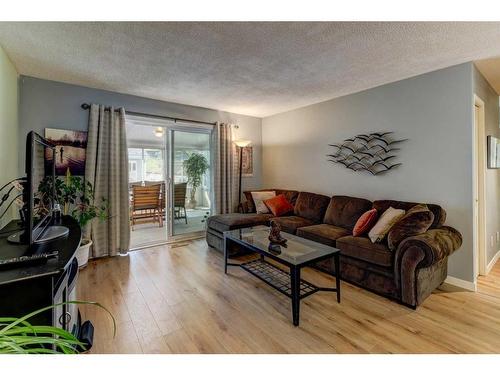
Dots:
{"x": 195, "y": 167}
{"x": 77, "y": 199}
{"x": 18, "y": 336}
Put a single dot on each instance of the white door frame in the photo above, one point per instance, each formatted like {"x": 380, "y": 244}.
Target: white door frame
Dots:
{"x": 480, "y": 241}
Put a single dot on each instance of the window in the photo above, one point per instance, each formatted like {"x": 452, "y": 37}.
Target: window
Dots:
{"x": 153, "y": 165}
{"x": 132, "y": 170}
{"x": 145, "y": 164}
{"x": 179, "y": 173}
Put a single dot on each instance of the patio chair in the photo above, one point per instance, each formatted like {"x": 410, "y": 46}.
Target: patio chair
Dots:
{"x": 145, "y": 204}
{"x": 162, "y": 195}
{"x": 180, "y": 201}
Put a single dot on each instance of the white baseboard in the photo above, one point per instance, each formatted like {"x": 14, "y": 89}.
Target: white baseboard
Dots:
{"x": 492, "y": 262}
{"x": 464, "y": 284}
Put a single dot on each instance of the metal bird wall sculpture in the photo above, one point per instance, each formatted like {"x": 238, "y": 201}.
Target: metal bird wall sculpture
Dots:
{"x": 371, "y": 153}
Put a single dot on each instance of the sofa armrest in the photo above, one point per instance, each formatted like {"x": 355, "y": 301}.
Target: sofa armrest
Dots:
{"x": 421, "y": 251}
{"x": 436, "y": 244}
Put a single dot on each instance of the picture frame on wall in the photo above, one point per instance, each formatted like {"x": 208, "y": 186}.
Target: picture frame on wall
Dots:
{"x": 71, "y": 146}
{"x": 493, "y": 145}
{"x": 247, "y": 161}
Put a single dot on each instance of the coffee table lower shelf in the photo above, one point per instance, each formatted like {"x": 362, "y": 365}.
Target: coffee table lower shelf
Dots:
{"x": 279, "y": 279}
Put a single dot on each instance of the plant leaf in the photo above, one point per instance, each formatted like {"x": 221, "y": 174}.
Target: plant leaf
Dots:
{"x": 39, "y": 311}
{"x": 17, "y": 335}
{"x": 39, "y": 330}
{"x": 40, "y": 351}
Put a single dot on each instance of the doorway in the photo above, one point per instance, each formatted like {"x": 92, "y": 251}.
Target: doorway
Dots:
{"x": 479, "y": 189}
{"x": 170, "y": 180}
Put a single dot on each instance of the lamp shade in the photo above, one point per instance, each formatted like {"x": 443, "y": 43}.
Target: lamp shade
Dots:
{"x": 242, "y": 142}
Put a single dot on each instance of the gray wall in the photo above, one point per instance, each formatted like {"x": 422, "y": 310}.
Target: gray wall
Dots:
{"x": 482, "y": 89}
{"x": 54, "y": 104}
{"x": 8, "y": 129}
{"x": 433, "y": 110}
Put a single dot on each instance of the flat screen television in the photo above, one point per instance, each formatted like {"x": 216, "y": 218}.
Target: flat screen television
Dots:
{"x": 40, "y": 164}
{"x": 37, "y": 211}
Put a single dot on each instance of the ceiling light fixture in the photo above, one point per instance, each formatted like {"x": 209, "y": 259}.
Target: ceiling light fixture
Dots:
{"x": 159, "y": 132}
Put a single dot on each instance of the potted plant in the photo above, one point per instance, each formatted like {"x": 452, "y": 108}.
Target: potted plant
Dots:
{"x": 77, "y": 199}
{"x": 195, "y": 167}
{"x": 18, "y": 336}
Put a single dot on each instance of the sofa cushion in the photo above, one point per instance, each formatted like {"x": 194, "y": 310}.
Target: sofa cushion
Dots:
{"x": 362, "y": 248}
{"x": 365, "y": 222}
{"x": 222, "y": 223}
{"x": 438, "y": 211}
{"x": 311, "y": 206}
{"x": 417, "y": 220}
{"x": 384, "y": 224}
{"x": 290, "y": 195}
{"x": 290, "y": 224}
{"x": 324, "y": 233}
{"x": 279, "y": 205}
{"x": 344, "y": 211}
{"x": 259, "y": 197}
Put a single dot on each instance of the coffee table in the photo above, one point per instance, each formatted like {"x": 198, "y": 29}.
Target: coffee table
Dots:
{"x": 299, "y": 253}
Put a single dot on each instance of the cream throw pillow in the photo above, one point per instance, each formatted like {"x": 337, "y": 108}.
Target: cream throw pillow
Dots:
{"x": 384, "y": 224}
{"x": 259, "y": 197}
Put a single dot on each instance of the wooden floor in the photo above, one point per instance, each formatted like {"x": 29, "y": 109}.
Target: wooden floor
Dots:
{"x": 176, "y": 299}
{"x": 147, "y": 233}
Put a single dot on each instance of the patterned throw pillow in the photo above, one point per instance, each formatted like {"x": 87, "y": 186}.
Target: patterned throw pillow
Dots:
{"x": 417, "y": 220}
{"x": 279, "y": 205}
{"x": 259, "y": 197}
{"x": 365, "y": 222}
{"x": 385, "y": 223}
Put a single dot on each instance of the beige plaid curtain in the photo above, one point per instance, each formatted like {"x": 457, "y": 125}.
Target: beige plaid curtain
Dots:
{"x": 226, "y": 172}
{"x": 106, "y": 168}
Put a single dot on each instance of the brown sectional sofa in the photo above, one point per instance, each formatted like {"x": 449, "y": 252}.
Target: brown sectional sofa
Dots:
{"x": 407, "y": 274}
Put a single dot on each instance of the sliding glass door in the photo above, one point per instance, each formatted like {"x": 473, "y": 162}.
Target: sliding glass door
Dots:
{"x": 170, "y": 180}
{"x": 190, "y": 181}
{"x": 147, "y": 161}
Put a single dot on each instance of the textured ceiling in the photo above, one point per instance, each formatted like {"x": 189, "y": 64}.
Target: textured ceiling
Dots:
{"x": 257, "y": 69}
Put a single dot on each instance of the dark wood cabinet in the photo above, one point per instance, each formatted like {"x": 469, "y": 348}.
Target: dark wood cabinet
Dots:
{"x": 28, "y": 288}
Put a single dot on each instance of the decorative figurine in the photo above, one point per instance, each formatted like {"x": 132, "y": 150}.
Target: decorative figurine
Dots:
{"x": 275, "y": 235}
{"x": 274, "y": 248}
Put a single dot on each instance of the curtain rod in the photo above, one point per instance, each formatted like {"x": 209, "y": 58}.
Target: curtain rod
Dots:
{"x": 175, "y": 119}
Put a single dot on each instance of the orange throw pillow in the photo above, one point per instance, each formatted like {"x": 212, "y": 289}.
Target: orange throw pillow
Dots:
{"x": 278, "y": 205}
{"x": 365, "y": 222}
